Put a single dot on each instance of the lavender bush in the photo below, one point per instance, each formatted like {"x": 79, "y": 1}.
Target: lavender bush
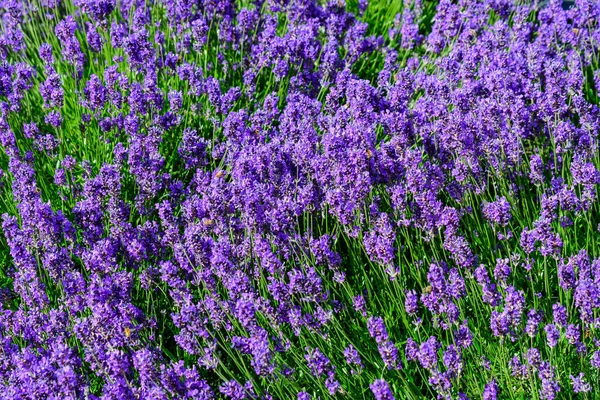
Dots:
{"x": 299, "y": 199}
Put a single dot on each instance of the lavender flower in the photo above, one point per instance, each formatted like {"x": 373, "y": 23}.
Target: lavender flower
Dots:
{"x": 411, "y": 304}
{"x": 552, "y": 335}
{"x": 411, "y": 350}
{"x": 579, "y": 383}
{"x": 452, "y": 359}
{"x": 534, "y": 317}
{"x": 233, "y": 174}
{"x": 559, "y": 313}
{"x": 427, "y": 355}
{"x": 381, "y": 390}
{"x": 490, "y": 392}
{"x": 303, "y": 396}
{"x": 377, "y": 329}
{"x": 498, "y": 212}
{"x": 550, "y": 386}
{"x": 353, "y": 359}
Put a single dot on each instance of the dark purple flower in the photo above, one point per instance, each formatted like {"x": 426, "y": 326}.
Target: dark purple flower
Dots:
{"x": 550, "y": 386}
{"x": 559, "y": 313}
{"x": 381, "y": 390}
{"x": 94, "y": 39}
{"x": 65, "y": 31}
{"x": 463, "y": 335}
{"x": 502, "y": 270}
{"x": 552, "y": 335}
{"x": 304, "y": 396}
{"x": 95, "y": 93}
{"x": 359, "y": 304}
{"x": 428, "y": 350}
{"x": 411, "y": 350}
{"x": 490, "y": 392}
{"x": 233, "y": 390}
{"x": 452, "y": 359}
{"x": 411, "y": 304}
{"x": 45, "y": 52}
{"x": 579, "y": 383}
{"x": 377, "y": 329}
{"x": 320, "y": 366}
{"x": 54, "y": 119}
{"x": 534, "y": 317}
{"x": 353, "y": 359}
{"x": 497, "y": 212}
{"x": 518, "y": 369}
{"x": 572, "y": 334}
{"x": 595, "y": 360}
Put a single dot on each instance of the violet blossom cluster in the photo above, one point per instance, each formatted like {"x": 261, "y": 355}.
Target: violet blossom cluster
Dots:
{"x": 203, "y": 200}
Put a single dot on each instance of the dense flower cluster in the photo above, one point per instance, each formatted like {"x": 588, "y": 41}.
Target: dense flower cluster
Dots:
{"x": 292, "y": 199}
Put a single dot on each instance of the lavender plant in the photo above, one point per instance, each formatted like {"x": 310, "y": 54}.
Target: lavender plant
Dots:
{"x": 299, "y": 199}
